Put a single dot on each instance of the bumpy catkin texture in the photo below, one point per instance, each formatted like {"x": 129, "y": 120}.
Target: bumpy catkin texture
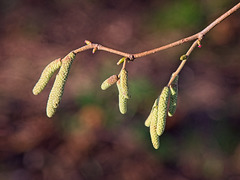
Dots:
{"x": 173, "y": 97}
{"x": 153, "y": 129}
{"x": 162, "y": 110}
{"x": 109, "y": 82}
{"x": 148, "y": 120}
{"x": 122, "y": 100}
{"x": 124, "y": 83}
{"x": 46, "y": 75}
{"x": 58, "y": 86}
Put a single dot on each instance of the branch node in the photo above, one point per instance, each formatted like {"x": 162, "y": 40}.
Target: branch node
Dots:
{"x": 131, "y": 57}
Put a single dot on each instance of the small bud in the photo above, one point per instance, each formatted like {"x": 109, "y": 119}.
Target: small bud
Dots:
{"x": 94, "y": 50}
{"x": 87, "y": 42}
{"x": 46, "y": 75}
{"x": 183, "y": 57}
{"x": 109, "y": 82}
{"x": 58, "y": 86}
{"x": 173, "y": 97}
{"x": 199, "y": 44}
{"x": 162, "y": 110}
{"x": 121, "y": 60}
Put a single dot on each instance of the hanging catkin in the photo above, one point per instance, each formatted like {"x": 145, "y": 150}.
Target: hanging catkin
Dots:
{"x": 153, "y": 126}
{"x": 109, "y": 82}
{"x": 122, "y": 99}
{"x": 46, "y": 75}
{"x": 173, "y": 97}
{"x": 124, "y": 83}
{"x": 58, "y": 86}
{"x": 162, "y": 110}
{"x": 148, "y": 120}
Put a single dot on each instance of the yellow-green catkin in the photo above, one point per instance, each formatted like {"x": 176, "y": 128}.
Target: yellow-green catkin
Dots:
{"x": 153, "y": 127}
{"x": 162, "y": 110}
{"x": 173, "y": 97}
{"x": 109, "y": 82}
{"x": 124, "y": 83}
{"x": 46, "y": 75}
{"x": 122, "y": 99}
{"x": 58, "y": 86}
{"x": 148, "y": 120}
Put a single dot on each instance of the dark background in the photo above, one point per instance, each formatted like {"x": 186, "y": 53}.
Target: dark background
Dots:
{"x": 88, "y": 138}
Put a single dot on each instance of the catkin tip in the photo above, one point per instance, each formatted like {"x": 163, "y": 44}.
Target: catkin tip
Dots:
{"x": 109, "y": 82}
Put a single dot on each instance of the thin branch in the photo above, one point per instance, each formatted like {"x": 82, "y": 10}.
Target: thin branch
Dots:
{"x": 183, "y": 62}
{"x": 131, "y": 57}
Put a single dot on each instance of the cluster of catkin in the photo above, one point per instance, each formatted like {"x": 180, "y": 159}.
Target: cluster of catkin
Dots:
{"x": 156, "y": 120}
{"x": 59, "y": 83}
{"x": 122, "y": 84}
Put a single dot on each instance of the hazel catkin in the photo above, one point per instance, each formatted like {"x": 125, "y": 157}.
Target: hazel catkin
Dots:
{"x": 148, "y": 120}
{"x": 109, "y": 82}
{"x": 124, "y": 83}
{"x": 162, "y": 110}
{"x": 173, "y": 97}
{"x": 153, "y": 127}
{"x": 122, "y": 99}
{"x": 46, "y": 75}
{"x": 58, "y": 86}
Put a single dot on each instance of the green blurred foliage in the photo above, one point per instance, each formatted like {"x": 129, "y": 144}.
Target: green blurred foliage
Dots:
{"x": 185, "y": 15}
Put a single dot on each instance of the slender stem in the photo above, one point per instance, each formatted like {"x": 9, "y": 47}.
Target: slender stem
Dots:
{"x": 220, "y": 19}
{"x": 131, "y": 57}
{"x": 103, "y": 48}
{"x": 183, "y": 62}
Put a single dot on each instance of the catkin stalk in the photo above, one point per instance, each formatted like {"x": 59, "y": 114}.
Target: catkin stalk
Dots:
{"x": 46, "y": 75}
{"x": 162, "y": 110}
{"x": 173, "y": 97}
{"x": 58, "y": 86}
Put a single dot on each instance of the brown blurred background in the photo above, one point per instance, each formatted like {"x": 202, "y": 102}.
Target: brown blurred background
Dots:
{"x": 88, "y": 139}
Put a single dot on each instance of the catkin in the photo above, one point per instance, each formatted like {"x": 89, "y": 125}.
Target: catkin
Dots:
{"x": 124, "y": 83}
{"x": 46, "y": 75}
{"x": 122, "y": 99}
{"x": 109, "y": 82}
{"x": 162, "y": 110}
{"x": 153, "y": 128}
{"x": 148, "y": 120}
{"x": 173, "y": 97}
{"x": 58, "y": 86}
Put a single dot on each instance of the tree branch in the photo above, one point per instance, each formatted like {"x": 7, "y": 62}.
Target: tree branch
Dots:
{"x": 131, "y": 57}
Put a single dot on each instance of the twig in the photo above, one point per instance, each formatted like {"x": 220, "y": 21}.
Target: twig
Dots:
{"x": 183, "y": 62}
{"x": 131, "y": 57}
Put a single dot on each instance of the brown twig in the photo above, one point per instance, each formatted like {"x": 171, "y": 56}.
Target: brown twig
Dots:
{"x": 183, "y": 62}
{"x": 131, "y": 57}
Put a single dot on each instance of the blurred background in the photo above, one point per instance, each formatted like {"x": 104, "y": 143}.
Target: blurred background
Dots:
{"x": 88, "y": 138}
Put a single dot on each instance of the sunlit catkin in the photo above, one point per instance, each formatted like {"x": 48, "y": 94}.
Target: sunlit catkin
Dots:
{"x": 153, "y": 127}
{"x": 58, "y": 86}
{"x": 173, "y": 97}
{"x": 124, "y": 83}
{"x": 162, "y": 110}
{"x": 148, "y": 120}
{"x": 122, "y": 100}
{"x": 46, "y": 76}
{"x": 109, "y": 82}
